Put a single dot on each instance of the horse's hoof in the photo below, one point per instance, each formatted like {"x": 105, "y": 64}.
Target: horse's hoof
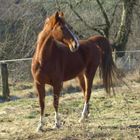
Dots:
{"x": 56, "y": 126}
{"x": 87, "y": 115}
{"x": 81, "y": 120}
{"x": 40, "y": 129}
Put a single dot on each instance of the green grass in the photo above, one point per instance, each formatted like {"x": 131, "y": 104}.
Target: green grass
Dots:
{"x": 116, "y": 118}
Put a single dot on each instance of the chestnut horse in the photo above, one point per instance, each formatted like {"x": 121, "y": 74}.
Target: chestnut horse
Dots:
{"x": 49, "y": 63}
{"x": 54, "y": 62}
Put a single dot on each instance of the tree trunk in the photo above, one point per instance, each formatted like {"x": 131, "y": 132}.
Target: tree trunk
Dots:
{"x": 125, "y": 26}
{"x": 5, "y": 86}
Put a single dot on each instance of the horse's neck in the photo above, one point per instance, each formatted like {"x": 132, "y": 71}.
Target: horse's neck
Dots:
{"x": 42, "y": 36}
{"x": 44, "y": 50}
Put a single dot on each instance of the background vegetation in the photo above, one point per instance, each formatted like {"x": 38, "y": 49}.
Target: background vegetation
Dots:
{"x": 21, "y": 21}
{"x": 113, "y": 118}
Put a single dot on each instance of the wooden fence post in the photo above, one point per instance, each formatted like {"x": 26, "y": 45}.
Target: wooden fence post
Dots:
{"x": 114, "y": 55}
{"x": 4, "y": 75}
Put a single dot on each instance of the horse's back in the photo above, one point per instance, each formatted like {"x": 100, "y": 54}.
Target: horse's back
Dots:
{"x": 97, "y": 38}
{"x": 102, "y": 42}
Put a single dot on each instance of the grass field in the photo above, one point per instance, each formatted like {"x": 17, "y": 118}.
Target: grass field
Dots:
{"x": 111, "y": 118}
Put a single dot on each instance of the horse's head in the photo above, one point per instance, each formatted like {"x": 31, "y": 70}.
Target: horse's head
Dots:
{"x": 61, "y": 32}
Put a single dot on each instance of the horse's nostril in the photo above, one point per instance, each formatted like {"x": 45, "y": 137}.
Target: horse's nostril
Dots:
{"x": 73, "y": 44}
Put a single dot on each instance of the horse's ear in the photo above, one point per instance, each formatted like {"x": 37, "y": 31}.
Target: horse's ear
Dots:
{"x": 61, "y": 14}
{"x": 47, "y": 20}
{"x": 57, "y": 15}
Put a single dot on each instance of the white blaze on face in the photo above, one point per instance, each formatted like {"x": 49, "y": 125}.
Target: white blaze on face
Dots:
{"x": 74, "y": 45}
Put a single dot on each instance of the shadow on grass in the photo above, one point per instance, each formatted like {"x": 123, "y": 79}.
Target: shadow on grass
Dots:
{"x": 70, "y": 138}
{"x": 133, "y": 126}
{"x": 11, "y": 98}
{"x": 66, "y": 90}
{"x": 100, "y": 135}
{"x": 88, "y": 136}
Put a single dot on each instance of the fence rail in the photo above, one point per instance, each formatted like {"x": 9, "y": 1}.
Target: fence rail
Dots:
{"x": 129, "y": 61}
{"x": 5, "y": 74}
{"x": 16, "y": 69}
{"x": 14, "y": 60}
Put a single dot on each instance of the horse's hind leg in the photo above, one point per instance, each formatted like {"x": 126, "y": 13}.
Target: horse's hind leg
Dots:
{"x": 89, "y": 75}
{"x": 41, "y": 94}
{"x": 82, "y": 79}
{"x": 56, "y": 90}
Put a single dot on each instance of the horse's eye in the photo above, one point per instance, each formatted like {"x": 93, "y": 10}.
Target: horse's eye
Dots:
{"x": 61, "y": 26}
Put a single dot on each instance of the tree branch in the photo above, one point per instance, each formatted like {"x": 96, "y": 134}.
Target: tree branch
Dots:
{"x": 104, "y": 13}
{"x": 57, "y": 5}
{"x": 84, "y": 22}
{"x": 107, "y": 27}
{"x": 113, "y": 14}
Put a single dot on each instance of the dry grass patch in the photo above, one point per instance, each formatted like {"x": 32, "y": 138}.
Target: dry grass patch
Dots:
{"x": 110, "y": 117}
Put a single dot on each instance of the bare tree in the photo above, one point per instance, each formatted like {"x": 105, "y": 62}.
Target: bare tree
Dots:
{"x": 125, "y": 25}
{"x": 21, "y": 20}
{"x": 122, "y": 36}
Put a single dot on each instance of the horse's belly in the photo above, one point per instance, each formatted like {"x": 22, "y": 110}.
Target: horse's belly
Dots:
{"x": 72, "y": 70}
{"x": 69, "y": 77}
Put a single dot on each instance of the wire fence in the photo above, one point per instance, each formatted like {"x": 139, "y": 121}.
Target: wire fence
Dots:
{"x": 19, "y": 70}
{"x": 130, "y": 61}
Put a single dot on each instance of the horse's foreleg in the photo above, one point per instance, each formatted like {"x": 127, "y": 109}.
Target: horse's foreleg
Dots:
{"x": 55, "y": 104}
{"x": 41, "y": 94}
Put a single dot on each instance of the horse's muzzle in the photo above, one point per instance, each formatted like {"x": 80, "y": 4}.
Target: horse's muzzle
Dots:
{"x": 74, "y": 46}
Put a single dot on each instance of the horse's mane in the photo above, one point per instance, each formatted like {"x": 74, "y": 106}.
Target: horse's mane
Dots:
{"x": 41, "y": 37}
{"x": 45, "y": 33}
{"x": 47, "y": 28}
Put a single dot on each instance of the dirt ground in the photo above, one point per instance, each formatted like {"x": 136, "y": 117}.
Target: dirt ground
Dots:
{"x": 114, "y": 118}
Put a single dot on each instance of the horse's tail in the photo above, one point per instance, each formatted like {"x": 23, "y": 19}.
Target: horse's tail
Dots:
{"x": 108, "y": 69}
